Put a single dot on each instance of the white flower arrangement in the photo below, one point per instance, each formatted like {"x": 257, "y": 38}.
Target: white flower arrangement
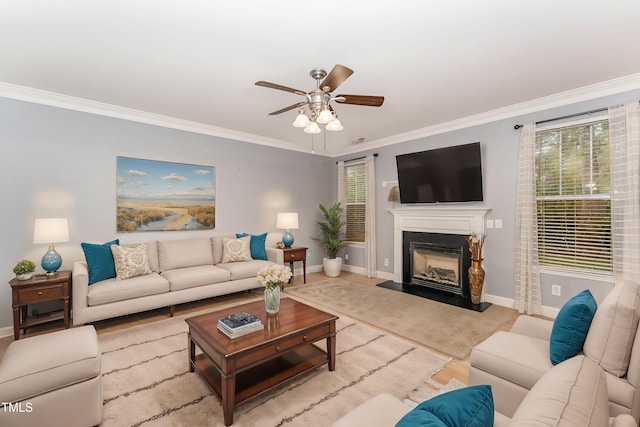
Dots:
{"x": 274, "y": 275}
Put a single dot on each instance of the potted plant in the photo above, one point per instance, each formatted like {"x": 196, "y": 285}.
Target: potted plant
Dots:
{"x": 332, "y": 239}
{"x": 24, "y": 269}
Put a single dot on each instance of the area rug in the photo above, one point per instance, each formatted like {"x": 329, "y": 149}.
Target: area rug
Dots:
{"x": 445, "y": 328}
{"x": 146, "y": 382}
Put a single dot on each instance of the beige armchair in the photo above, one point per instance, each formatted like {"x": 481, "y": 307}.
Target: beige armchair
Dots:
{"x": 512, "y": 362}
{"x": 52, "y": 379}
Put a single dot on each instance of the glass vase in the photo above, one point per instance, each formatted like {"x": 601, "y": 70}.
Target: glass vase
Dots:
{"x": 272, "y": 299}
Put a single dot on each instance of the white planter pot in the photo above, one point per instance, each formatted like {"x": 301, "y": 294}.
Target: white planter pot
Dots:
{"x": 332, "y": 267}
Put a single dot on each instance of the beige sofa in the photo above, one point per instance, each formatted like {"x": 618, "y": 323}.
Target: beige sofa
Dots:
{"x": 573, "y": 393}
{"x": 512, "y": 362}
{"x": 181, "y": 271}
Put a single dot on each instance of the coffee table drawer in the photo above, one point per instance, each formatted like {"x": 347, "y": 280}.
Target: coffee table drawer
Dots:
{"x": 282, "y": 345}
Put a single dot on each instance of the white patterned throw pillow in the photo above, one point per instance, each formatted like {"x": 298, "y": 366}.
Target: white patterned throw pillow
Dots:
{"x": 236, "y": 249}
{"x": 130, "y": 262}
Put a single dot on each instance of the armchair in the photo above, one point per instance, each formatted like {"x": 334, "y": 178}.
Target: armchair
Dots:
{"x": 52, "y": 379}
{"x": 512, "y": 362}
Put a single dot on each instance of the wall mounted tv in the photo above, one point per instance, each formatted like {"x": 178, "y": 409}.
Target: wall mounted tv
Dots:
{"x": 450, "y": 174}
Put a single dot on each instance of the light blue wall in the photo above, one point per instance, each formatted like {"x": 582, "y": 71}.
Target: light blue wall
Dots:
{"x": 57, "y": 162}
{"x": 499, "y": 145}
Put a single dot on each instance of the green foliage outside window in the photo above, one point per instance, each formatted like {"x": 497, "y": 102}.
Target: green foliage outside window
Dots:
{"x": 573, "y": 196}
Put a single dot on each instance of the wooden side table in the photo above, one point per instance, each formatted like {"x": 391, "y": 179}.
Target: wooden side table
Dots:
{"x": 35, "y": 290}
{"x": 296, "y": 253}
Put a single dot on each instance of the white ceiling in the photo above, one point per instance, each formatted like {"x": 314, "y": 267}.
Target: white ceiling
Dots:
{"x": 193, "y": 64}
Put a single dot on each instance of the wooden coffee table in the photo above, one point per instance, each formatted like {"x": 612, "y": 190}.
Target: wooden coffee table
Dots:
{"x": 245, "y": 367}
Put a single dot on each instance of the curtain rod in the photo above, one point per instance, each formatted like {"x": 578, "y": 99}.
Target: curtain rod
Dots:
{"x": 599, "y": 110}
{"x": 359, "y": 158}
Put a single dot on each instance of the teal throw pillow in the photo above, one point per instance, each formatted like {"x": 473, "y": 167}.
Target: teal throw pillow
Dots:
{"x": 257, "y": 245}
{"x": 468, "y": 407}
{"x": 100, "y": 260}
{"x": 571, "y": 326}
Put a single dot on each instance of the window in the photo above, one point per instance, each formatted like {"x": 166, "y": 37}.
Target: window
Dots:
{"x": 355, "y": 194}
{"x": 573, "y": 196}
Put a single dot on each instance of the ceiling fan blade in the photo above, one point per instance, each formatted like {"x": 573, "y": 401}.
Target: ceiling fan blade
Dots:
{"x": 371, "y": 101}
{"x": 339, "y": 74}
{"x": 280, "y": 87}
{"x": 290, "y": 107}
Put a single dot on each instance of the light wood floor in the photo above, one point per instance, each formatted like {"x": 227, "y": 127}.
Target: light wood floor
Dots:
{"x": 458, "y": 369}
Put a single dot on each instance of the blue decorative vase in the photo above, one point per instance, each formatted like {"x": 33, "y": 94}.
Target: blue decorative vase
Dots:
{"x": 287, "y": 239}
{"x": 51, "y": 261}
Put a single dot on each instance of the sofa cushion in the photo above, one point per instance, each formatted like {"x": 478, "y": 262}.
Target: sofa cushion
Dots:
{"x": 242, "y": 270}
{"x": 613, "y": 329}
{"x": 257, "y": 245}
{"x": 173, "y": 254}
{"x": 573, "y": 393}
{"x": 381, "y": 410}
{"x": 571, "y": 326}
{"x": 47, "y": 362}
{"x": 190, "y": 277}
{"x": 468, "y": 406}
{"x": 152, "y": 254}
{"x": 130, "y": 262}
{"x": 99, "y": 260}
{"x": 112, "y": 290}
{"x": 235, "y": 250}
{"x": 516, "y": 358}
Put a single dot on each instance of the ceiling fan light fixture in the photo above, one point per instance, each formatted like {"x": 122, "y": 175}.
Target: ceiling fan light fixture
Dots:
{"x": 312, "y": 127}
{"x": 325, "y": 115}
{"x": 301, "y": 120}
{"x": 334, "y": 125}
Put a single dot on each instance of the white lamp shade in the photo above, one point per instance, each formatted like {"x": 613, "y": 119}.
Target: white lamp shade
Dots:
{"x": 301, "y": 120}
{"x": 324, "y": 116}
{"x": 312, "y": 127}
{"x": 51, "y": 230}
{"x": 287, "y": 221}
{"x": 334, "y": 125}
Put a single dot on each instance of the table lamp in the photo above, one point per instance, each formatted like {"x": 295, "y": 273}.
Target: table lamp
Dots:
{"x": 287, "y": 221}
{"x": 50, "y": 231}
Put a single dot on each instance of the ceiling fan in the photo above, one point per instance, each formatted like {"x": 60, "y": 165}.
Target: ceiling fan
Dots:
{"x": 318, "y": 101}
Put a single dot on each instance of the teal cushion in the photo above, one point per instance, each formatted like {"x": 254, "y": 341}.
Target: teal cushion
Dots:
{"x": 100, "y": 260}
{"x": 571, "y": 326}
{"x": 257, "y": 245}
{"x": 464, "y": 407}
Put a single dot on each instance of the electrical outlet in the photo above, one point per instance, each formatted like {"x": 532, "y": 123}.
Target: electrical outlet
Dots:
{"x": 556, "y": 290}
{"x": 497, "y": 223}
{"x": 346, "y": 257}
{"x": 489, "y": 223}
{"x": 386, "y": 262}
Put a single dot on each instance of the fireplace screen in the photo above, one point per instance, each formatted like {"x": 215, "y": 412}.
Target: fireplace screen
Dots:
{"x": 436, "y": 266}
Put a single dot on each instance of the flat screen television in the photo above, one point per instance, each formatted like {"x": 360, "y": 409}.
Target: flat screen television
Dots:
{"x": 450, "y": 174}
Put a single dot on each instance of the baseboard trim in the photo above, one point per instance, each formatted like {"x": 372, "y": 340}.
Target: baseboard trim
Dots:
{"x": 7, "y": 331}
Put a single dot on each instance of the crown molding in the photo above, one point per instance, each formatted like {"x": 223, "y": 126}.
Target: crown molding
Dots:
{"x": 37, "y": 96}
{"x": 585, "y": 93}
{"x": 606, "y": 88}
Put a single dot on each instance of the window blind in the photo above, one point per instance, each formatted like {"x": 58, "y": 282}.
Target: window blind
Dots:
{"x": 355, "y": 201}
{"x": 573, "y": 196}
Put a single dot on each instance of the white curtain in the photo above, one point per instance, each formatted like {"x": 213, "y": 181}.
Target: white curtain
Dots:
{"x": 526, "y": 294}
{"x": 342, "y": 195}
{"x": 370, "y": 269}
{"x": 624, "y": 138}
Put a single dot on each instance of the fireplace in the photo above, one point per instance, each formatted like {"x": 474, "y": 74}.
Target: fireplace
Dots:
{"x": 436, "y": 260}
{"x": 440, "y": 236}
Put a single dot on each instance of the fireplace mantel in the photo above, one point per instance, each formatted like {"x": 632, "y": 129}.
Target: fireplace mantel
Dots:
{"x": 433, "y": 219}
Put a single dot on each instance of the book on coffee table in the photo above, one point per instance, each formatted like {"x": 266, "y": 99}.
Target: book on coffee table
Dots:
{"x": 238, "y": 324}
{"x": 236, "y": 334}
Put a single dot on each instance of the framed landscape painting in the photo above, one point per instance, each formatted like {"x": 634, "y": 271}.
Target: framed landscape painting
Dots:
{"x": 153, "y": 195}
